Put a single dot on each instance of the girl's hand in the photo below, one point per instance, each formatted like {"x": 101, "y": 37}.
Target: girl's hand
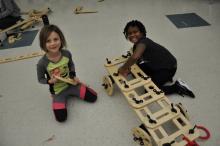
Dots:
{"x": 123, "y": 71}
{"x": 53, "y": 80}
{"x": 76, "y": 79}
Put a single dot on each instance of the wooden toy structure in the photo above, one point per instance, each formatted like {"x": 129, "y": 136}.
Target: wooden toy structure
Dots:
{"x": 163, "y": 122}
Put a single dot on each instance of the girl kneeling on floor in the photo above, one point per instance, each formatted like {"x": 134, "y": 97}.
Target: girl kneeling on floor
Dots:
{"x": 58, "y": 60}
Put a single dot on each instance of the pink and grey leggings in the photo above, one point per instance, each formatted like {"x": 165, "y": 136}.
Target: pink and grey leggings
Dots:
{"x": 59, "y": 100}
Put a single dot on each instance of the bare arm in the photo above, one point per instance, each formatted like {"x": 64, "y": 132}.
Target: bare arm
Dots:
{"x": 132, "y": 60}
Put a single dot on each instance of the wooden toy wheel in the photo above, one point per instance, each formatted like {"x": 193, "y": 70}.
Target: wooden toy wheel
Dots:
{"x": 183, "y": 110}
{"x": 108, "y": 85}
{"x": 141, "y": 137}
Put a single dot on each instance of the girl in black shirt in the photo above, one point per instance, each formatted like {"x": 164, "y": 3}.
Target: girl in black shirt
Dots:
{"x": 155, "y": 60}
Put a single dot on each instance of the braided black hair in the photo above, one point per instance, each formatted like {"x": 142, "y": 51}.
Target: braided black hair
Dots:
{"x": 134, "y": 23}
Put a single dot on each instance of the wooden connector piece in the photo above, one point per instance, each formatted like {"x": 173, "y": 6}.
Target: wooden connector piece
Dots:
{"x": 79, "y": 10}
{"x": 21, "y": 57}
{"x": 67, "y": 80}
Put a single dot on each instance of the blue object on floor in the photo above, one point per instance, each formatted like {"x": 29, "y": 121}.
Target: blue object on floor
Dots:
{"x": 27, "y": 38}
{"x": 187, "y": 20}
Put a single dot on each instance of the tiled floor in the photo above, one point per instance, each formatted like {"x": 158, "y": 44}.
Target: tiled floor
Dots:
{"x": 26, "y": 118}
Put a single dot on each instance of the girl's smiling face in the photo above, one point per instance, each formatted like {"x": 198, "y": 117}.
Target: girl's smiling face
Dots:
{"x": 53, "y": 42}
{"x": 134, "y": 34}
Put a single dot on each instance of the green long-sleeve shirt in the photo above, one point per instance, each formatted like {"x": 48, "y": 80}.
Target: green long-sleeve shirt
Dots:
{"x": 65, "y": 67}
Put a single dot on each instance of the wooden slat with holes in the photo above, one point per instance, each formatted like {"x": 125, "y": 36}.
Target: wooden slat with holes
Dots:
{"x": 183, "y": 131}
{"x": 147, "y": 98}
{"x": 120, "y": 79}
{"x": 116, "y": 61}
{"x": 25, "y": 56}
{"x": 161, "y": 116}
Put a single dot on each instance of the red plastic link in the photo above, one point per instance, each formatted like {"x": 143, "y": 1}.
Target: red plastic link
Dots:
{"x": 190, "y": 143}
{"x": 207, "y": 136}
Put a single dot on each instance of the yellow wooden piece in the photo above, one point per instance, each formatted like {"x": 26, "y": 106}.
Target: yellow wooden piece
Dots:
{"x": 13, "y": 38}
{"x": 67, "y": 80}
{"x": 147, "y": 98}
{"x": 121, "y": 81}
{"x": 26, "y": 56}
{"x": 141, "y": 137}
{"x": 108, "y": 85}
{"x": 183, "y": 110}
{"x": 27, "y": 25}
{"x": 79, "y": 10}
{"x": 39, "y": 13}
{"x": 183, "y": 131}
{"x": 160, "y": 117}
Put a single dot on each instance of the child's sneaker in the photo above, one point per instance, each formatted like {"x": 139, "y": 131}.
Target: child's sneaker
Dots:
{"x": 183, "y": 88}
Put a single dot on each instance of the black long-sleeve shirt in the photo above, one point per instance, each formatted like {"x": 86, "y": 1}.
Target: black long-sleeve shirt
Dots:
{"x": 155, "y": 56}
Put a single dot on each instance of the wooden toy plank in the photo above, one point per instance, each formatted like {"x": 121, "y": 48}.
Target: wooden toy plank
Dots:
{"x": 183, "y": 131}
{"x": 79, "y": 10}
{"x": 26, "y": 56}
{"x": 168, "y": 138}
{"x": 153, "y": 134}
{"x": 39, "y": 13}
{"x": 116, "y": 61}
{"x": 160, "y": 116}
{"x": 162, "y": 131}
{"x": 85, "y": 12}
{"x": 161, "y": 102}
{"x": 137, "y": 82}
{"x": 27, "y": 25}
{"x": 67, "y": 80}
{"x": 146, "y": 98}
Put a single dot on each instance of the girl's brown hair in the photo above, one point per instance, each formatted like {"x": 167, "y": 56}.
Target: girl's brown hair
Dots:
{"x": 46, "y": 31}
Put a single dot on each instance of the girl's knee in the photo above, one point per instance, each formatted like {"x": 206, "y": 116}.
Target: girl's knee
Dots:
{"x": 88, "y": 94}
{"x": 91, "y": 95}
{"x": 60, "y": 111}
{"x": 60, "y": 114}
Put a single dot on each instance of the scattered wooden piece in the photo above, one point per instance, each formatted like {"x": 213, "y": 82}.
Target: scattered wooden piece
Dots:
{"x": 49, "y": 139}
{"x": 26, "y": 56}
{"x": 13, "y": 38}
{"x": 79, "y": 10}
